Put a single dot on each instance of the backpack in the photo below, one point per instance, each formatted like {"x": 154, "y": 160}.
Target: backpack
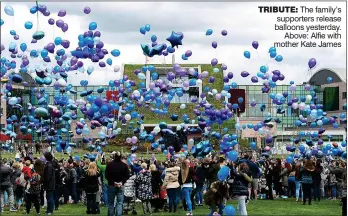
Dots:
{"x": 67, "y": 178}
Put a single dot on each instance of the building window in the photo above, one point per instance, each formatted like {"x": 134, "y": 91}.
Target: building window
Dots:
{"x": 344, "y": 95}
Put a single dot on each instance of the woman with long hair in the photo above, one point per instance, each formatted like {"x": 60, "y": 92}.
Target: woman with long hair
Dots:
{"x": 298, "y": 180}
{"x": 307, "y": 181}
{"x": 91, "y": 187}
{"x": 172, "y": 185}
{"x": 284, "y": 174}
{"x": 242, "y": 178}
{"x": 187, "y": 173}
{"x": 317, "y": 180}
{"x": 156, "y": 183}
{"x": 276, "y": 177}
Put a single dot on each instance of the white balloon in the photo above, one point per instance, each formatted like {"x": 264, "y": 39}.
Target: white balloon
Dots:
{"x": 136, "y": 93}
{"x": 295, "y": 105}
{"x": 117, "y": 68}
{"x": 302, "y": 106}
{"x": 127, "y": 117}
{"x": 308, "y": 98}
{"x": 178, "y": 127}
{"x": 182, "y": 106}
{"x": 191, "y": 142}
{"x": 214, "y": 91}
{"x": 199, "y": 82}
{"x": 61, "y": 82}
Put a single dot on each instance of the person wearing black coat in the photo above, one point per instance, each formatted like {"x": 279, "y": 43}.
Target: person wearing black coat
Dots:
{"x": 269, "y": 179}
{"x": 49, "y": 182}
{"x": 277, "y": 168}
{"x": 156, "y": 183}
{"x": 91, "y": 187}
{"x": 317, "y": 180}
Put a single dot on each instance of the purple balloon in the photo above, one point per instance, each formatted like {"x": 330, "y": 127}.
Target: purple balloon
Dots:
{"x": 47, "y": 59}
{"x": 276, "y": 72}
{"x": 59, "y": 23}
{"x": 230, "y": 75}
{"x": 226, "y": 80}
{"x": 16, "y": 37}
{"x": 255, "y": 44}
{"x": 79, "y": 64}
{"x": 224, "y": 67}
{"x": 97, "y": 34}
{"x": 224, "y": 32}
{"x": 275, "y": 78}
{"x": 211, "y": 79}
{"x": 87, "y": 10}
{"x": 51, "y": 21}
{"x": 214, "y": 44}
{"x": 214, "y": 62}
{"x": 188, "y": 53}
{"x": 311, "y": 63}
{"x": 65, "y": 27}
{"x": 281, "y": 77}
{"x": 65, "y": 44}
{"x": 244, "y": 73}
{"x": 25, "y": 62}
{"x": 102, "y": 64}
{"x": 62, "y": 13}
{"x": 73, "y": 61}
{"x": 50, "y": 47}
{"x": 254, "y": 79}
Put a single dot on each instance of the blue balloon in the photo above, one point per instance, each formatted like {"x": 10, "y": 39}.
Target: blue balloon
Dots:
{"x": 279, "y": 58}
{"x": 272, "y": 49}
{"x": 232, "y": 156}
{"x": 92, "y": 26}
{"x": 142, "y": 30}
{"x": 44, "y": 53}
{"x": 147, "y": 27}
{"x": 183, "y": 57}
{"x": 329, "y": 79}
{"x": 23, "y": 46}
{"x": 33, "y": 10}
{"x": 9, "y": 10}
{"x": 247, "y": 54}
{"x": 263, "y": 69}
{"x": 109, "y": 61}
{"x": 1, "y": 22}
{"x": 253, "y": 145}
{"x": 229, "y": 210}
{"x": 209, "y": 32}
{"x": 153, "y": 38}
{"x": 272, "y": 54}
{"x": 58, "y": 40}
{"x": 13, "y": 32}
{"x": 115, "y": 52}
{"x": 28, "y": 25}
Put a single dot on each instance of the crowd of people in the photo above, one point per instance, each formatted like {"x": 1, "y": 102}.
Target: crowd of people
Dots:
{"x": 119, "y": 183}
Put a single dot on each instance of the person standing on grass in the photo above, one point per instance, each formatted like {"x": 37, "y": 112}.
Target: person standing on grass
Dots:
{"x": 144, "y": 188}
{"x": 172, "y": 185}
{"x": 102, "y": 163}
{"x": 307, "y": 181}
{"x": 317, "y": 180}
{"x": 91, "y": 187}
{"x": 6, "y": 186}
{"x": 344, "y": 193}
{"x": 117, "y": 173}
{"x": 32, "y": 193}
{"x": 49, "y": 182}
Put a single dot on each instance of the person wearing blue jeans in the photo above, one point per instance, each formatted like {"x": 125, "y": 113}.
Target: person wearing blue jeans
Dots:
{"x": 199, "y": 195}
{"x": 172, "y": 196}
{"x": 115, "y": 192}
{"x": 105, "y": 193}
{"x": 212, "y": 209}
{"x": 298, "y": 186}
{"x": 186, "y": 192}
{"x": 50, "y": 201}
{"x": 333, "y": 191}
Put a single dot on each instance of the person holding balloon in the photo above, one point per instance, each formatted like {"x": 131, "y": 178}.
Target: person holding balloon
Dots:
{"x": 307, "y": 172}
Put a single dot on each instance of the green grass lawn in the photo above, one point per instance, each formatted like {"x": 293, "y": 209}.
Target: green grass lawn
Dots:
{"x": 259, "y": 207}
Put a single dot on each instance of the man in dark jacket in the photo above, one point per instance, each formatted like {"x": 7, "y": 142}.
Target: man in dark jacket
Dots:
{"x": 49, "y": 182}
{"x": 6, "y": 185}
{"x": 117, "y": 173}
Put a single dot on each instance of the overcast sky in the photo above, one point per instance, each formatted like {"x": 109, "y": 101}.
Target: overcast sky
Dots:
{"x": 119, "y": 25}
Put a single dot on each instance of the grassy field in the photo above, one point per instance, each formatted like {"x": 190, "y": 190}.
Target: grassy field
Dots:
{"x": 256, "y": 208}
